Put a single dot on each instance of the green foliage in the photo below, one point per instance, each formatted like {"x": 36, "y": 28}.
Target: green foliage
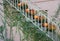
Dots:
{"x": 1, "y": 29}
{"x": 9, "y": 40}
{"x": 31, "y": 32}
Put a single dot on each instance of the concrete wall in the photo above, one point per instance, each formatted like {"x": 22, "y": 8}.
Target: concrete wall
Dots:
{"x": 50, "y": 5}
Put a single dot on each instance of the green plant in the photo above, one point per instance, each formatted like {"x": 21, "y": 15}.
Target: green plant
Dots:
{"x": 31, "y": 32}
